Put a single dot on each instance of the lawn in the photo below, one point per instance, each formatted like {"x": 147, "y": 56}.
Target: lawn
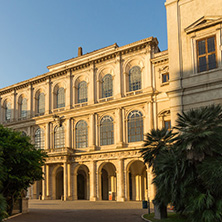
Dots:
{"x": 172, "y": 217}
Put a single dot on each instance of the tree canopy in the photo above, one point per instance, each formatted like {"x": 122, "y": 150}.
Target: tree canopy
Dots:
{"x": 20, "y": 164}
{"x": 187, "y": 164}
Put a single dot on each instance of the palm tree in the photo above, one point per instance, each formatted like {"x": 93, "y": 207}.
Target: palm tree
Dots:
{"x": 187, "y": 165}
{"x": 199, "y": 143}
{"x": 157, "y": 147}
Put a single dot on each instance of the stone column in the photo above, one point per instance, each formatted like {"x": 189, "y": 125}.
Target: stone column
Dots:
{"x": 92, "y": 132}
{"x": 48, "y": 96}
{"x": 138, "y": 187}
{"x": 93, "y": 181}
{"x": 15, "y": 106}
{"x": 151, "y": 122}
{"x": 47, "y": 180}
{"x": 117, "y": 90}
{"x": 69, "y": 179}
{"x": 147, "y": 70}
{"x": 68, "y": 94}
{"x": 96, "y": 130}
{"x": 30, "y": 102}
{"x": 92, "y": 86}
{"x": 44, "y": 183}
{"x": 124, "y": 122}
{"x": 68, "y": 133}
{"x": 51, "y": 139}
{"x": 146, "y": 119}
{"x": 120, "y": 181}
{"x": 47, "y": 136}
{"x": 119, "y": 128}
{"x": 75, "y": 196}
{"x": 65, "y": 180}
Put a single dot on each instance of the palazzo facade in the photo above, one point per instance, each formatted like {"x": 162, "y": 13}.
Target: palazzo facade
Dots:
{"x": 90, "y": 113}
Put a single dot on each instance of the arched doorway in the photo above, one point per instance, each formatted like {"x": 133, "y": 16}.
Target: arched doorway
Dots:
{"x": 59, "y": 183}
{"x": 137, "y": 181}
{"x": 82, "y": 183}
{"x": 107, "y": 181}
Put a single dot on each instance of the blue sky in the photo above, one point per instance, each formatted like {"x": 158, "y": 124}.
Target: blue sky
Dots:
{"x": 38, "y": 33}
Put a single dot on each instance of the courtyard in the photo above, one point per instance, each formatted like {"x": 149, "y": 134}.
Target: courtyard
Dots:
{"x": 81, "y": 211}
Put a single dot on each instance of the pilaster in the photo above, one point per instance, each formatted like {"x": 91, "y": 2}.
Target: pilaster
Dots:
{"x": 48, "y": 96}
{"x": 93, "y": 181}
{"x": 92, "y": 132}
{"x": 120, "y": 181}
{"x": 65, "y": 180}
{"x": 68, "y": 94}
{"x": 92, "y": 82}
{"x": 117, "y": 86}
{"x": 44, "y": 183}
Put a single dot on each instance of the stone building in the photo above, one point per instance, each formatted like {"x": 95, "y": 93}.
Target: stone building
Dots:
{"x": 90, "y": 112}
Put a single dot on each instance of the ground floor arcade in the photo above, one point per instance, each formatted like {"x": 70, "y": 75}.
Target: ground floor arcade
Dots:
{"x": 94, "y": 178}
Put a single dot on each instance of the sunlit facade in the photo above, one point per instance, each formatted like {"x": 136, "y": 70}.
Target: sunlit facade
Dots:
{"x": 90, "y": 113}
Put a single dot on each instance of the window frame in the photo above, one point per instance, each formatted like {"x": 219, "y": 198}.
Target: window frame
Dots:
{"x": 59, "y": 137}
{"x": 85, "y": 99}
{"x": 207, "y": 53}
{"x": 8, "y": 111}
{"x": 78, "y": 136}
{"x": 129, "y": 136}
{"x": 167, "y": 77}
{"x": 102, "y": 133}
{"x": 131, "y": 84}
{"x": 40, "y": 111}
{"x": 60, "y": 105}
{"x": 105, "y": 92}
{"x": 41, "y": 139}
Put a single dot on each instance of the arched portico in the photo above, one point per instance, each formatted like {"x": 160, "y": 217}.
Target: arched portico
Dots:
{"x": 58, "y": 182}
{"x": 81, "y": 182}
{"x": 107, "y": 181}
{"x": 137, "y": 186}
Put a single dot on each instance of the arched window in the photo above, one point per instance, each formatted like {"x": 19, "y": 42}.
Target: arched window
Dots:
{"x": 60, "y": 98}
{"x": 23, "y": 107}
{"x": 134, "y": 78}
{"x": 41, "y": 103}
{"x": 135, "y": 126}
{"x": 81, "y": 134}
{"x": 59, "y": 137}
{"x": 106, "y": 131}
{"x": 8, "y": 111}
{"x": 82, "y": 92}
{"x": 39, "y": 139}
{"x": 107, "y": 86}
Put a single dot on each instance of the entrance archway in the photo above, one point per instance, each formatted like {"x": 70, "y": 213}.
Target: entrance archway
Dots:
{"x": 59, "y": 183}
{"x": 83, "y": 183}
{"x": 107, "y": 181}
{"x": 137, "y": 181}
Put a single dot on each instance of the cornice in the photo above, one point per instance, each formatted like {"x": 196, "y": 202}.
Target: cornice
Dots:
{"x": 82, "y": 62}
{"x": 160, "y": 57}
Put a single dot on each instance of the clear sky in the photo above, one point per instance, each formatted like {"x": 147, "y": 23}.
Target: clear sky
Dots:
{"x": 38, "y": 33}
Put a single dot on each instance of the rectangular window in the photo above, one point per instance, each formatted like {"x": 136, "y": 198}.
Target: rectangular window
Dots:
{"x": 167, "y": 124}
{"x": 206, "y": 54}
{"x": 165, "y": 77}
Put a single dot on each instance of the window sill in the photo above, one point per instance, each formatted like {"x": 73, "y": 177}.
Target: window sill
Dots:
{"x": 39, "y": 114}
{"x": 80, "y": 105}
{"x": 58, "y": 110}
{"x": 209, "y": 71}
{"x": 165, "y": 83}
{"x": 132, "y": 93}
{"x": 106, "y": 99}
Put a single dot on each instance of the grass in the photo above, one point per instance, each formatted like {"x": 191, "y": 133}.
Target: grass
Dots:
{"x": 172, "y": 217}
